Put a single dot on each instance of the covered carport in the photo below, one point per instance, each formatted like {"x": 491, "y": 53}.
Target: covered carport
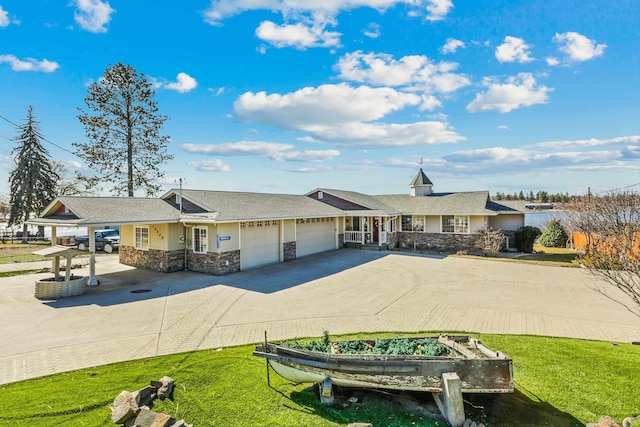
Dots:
{"x": 95, "y": 213}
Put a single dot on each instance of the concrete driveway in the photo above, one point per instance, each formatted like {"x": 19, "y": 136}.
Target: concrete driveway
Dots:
{"x": 340, "y": 291}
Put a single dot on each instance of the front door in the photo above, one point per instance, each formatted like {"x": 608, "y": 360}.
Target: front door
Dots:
{"x": 376, "y": 229}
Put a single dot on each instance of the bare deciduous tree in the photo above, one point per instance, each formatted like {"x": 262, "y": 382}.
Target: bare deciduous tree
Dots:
{"x": 489, "y": 241}
{"x": 609, "y": 225}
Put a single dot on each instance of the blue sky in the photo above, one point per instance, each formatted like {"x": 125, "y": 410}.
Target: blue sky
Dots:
{"x": 287, "y": 96}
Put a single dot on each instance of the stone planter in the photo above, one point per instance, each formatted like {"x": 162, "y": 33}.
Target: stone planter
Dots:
{"x": 51, "y": 288}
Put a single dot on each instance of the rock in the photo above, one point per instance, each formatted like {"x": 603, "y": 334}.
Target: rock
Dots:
{"x": 166, "y": 390}
{"x": 147, "y": 418}
{"x": 628, "y": 422}
{"x": 124, "y": 407}
{"x": 145, "y": 396}
{"x": 473, "y": 424}
{"x": 607, "y": 421}
{"x": 181, "y": 423}
{"x": 467, "y": 423}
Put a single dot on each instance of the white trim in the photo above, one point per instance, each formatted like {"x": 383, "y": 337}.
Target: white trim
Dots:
{"x": 203, "y": 238}
{"x": 139, "y": 245}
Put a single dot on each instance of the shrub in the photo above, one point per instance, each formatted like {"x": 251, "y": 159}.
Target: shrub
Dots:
{"x": 489, "y": 241}
{"x": 554, "y": 235}
{"x": 526, "y": 237}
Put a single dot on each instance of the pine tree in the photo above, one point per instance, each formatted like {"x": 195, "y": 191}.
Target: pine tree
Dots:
{"x": 123, "y": 127}
{"x": 33, "y": 181}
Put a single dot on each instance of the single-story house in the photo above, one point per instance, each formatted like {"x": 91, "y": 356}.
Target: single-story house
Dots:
{"x": 221, "y": 232}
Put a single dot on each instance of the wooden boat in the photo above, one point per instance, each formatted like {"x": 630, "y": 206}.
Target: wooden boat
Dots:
{"x": 480, "y": 370}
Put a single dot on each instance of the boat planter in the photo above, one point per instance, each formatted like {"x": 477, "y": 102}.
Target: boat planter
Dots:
{"x": 461, "y": 364}
{"x": 51, "y": 288}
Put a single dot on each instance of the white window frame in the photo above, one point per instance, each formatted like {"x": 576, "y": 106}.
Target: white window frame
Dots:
{"x": 140, "y": 241}
{"x": 201, "y": 244}
{"x": 458, "y": 222}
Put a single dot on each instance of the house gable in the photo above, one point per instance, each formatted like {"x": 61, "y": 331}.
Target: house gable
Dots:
{"x": 187, "y": 205}
{"x": 336, "y": 202}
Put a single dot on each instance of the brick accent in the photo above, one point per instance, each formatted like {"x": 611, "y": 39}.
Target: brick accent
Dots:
{"x": 449, "y": 243}
{"x": 214, "y": 263}
{"x": 289, "y": 249}
{"x": 153, "y": 259}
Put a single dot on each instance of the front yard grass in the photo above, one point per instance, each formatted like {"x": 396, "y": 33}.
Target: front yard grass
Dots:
{"x": 20, "y": 252}
{"x": 559, "y": 382}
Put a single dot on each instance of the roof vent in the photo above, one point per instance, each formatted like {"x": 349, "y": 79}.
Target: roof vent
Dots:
{"x": 320, "y": 195}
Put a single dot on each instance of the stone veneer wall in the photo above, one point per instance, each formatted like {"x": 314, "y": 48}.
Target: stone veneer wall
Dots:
{"x": 340, "y": 240}
{"x": 153, "y": 259}
{"x": 444, "y": 242}
{"x": 289, "y": 249}
{"x": 214, "y": 263}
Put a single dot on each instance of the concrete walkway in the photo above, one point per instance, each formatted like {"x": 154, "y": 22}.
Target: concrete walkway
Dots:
{"x": 340, "y": 291}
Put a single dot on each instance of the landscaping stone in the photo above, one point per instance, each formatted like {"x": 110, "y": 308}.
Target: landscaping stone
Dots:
{"x": 166, "y": 389}
{"x": 629, "y": 421}
{"x": 181, "y": 423}
{"x": 360, "y": 425}
{"x": 147, "y": 418}
{"x": 145, "y": 395}
{"x": 124, "y": 407}
{"x": 607, "y": 421}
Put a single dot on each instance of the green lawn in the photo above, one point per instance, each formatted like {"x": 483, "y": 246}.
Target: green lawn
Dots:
{"x": 560, "y": 382}
{"x": 18, "y": 252}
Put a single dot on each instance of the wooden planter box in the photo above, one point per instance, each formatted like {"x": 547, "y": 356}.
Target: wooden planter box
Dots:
{"x": 52, "y": 289}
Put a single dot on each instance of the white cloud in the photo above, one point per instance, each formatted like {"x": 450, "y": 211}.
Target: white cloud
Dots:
{"x": 519, "y": 91}
{"x": 344, "y": 115}
{"x": 577, "y": 47}
{"x": 592, "y": 142}
{"x": 213, "y": 165}
{"x": 297, "y": 35}
{"x": 503, "y": 127}
{"x": 184, "y": 83}
{"x": 552, "y": 61}
{"x": 438, "y": 9}
{"x": 93, "y": 15}
{"x": 4, "y": 18}
{"x": 310, "y": 107}
{"x": 387, "y": 134}
{"x": 29, "y": 64}
{"x": 514, "y": 49}
{"x": 416, "y": 71}
{"x": 306, "y": 20}
{"x": 270, "y": 150}
{"x": 451, "y": 45}
{"x": 372, "y": 30}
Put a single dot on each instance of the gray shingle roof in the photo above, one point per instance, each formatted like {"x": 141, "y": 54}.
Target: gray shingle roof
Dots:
{"x": 370, "y": 202}
{"x": 88, "y": 211}
{"x": 237, "y": 206}
{"x": 470, "y": 203}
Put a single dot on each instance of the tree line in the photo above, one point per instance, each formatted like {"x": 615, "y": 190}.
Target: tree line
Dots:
{"x": 540, "y": 196}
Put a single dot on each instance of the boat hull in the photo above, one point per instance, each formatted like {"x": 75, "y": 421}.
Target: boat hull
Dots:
{"x": 480, "y": 372}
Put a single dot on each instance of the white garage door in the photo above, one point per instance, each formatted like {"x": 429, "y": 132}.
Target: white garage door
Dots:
{"x": 259, "y": 243}
{"x": 315, "y": 235}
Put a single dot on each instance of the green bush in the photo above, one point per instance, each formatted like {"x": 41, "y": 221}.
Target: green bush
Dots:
{"x": 554, "y": 235}
{"x": 526, "y": 237}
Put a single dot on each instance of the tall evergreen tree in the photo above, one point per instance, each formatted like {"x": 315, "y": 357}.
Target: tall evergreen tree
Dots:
{"x": 33, "y": 181}
{"x": 123, "y": 127}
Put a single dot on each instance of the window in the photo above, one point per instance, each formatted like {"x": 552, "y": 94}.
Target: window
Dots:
{"x": 407, "y": 223}
{"x": 392, "y": 225}
{"x": 200, "y": 240}
{"x": 455, "y": 224}
{"x": 418, "y": 223}
{"x": 142, "y": 238}
{"x": 356, "y": 223}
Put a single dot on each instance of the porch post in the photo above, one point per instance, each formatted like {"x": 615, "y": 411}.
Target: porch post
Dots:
{"x": 363, "y": 227}
{"x": 93, "y": 281}
{"x": 55, "y": 261}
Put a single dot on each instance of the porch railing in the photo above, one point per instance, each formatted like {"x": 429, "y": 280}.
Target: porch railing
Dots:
{"x": 353, "y": 236}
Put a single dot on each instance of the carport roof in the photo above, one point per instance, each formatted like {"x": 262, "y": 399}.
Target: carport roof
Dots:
{"x": 80, "y": 211}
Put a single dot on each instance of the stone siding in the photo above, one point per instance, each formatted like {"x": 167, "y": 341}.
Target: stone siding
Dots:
{"x": 214, "y": 263}
{"x": 340, "y": 240}
{"x": 449, "y": 243}
{"x": 289, "y": 249}
{"x": 153, "y": 259}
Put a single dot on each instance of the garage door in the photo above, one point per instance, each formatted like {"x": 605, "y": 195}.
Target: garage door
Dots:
{"x": 259, "y": 243}
{"x": 315, "y": 235}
